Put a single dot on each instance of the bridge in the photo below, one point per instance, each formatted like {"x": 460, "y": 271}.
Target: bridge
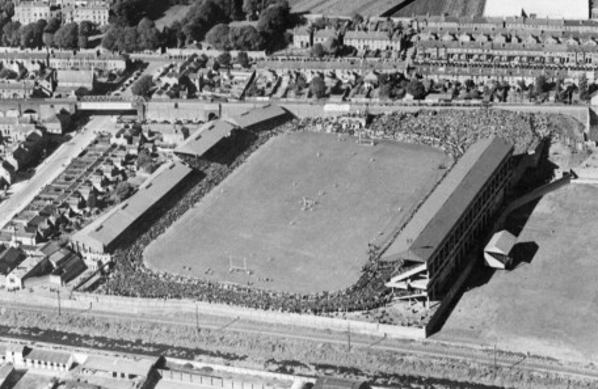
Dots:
{"x": 111, "y": 103}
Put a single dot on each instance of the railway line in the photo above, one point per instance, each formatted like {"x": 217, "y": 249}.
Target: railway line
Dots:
{"x": 424, "y": 349}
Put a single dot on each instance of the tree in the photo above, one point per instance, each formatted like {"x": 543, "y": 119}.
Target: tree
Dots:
{"x": 123, "y": 191}
{"x": 251, "y": 9}
{"x": 243, "y": 59}
{"x": 40, "y": 27}
{"x": 317, "y": 87}
{"x": 92, "y": 200}
{"x": 11, "y": 35}
{"x": 274, "y": 19}
{"x": 317, "y": 50}
{"x": 127, "y": 12}
{"x": 224, "y": 59}
{"x": 584, "y": 90}
{"x": 416, "y": 89}
{"x": 82, "y": 42}
{"x": 385, "y": 91}
{"x": 386, "y": 83}
{"x": 129, "y": 40}
{"x": 246, "y": 38}
{"x": 357, "y": 19}
{"x": 218, "y": 36}
{"x": 53, "y": 25}
{"x": 28, "y": 36}
{"x": 541, "y": 85}
{"x": 86, "y": 28}
{"x": 202, "y": 16}
{"x": 8, "y": 74}
{"x": 331, "y": 45}
{"x": 113, "y": 38}
{"x": 148, "y": 36}
{"x": 144, "y": 160}
{"x": 48, "y": 39}
{"x": 67, "y": 36}
{"x": 142, "y": 86}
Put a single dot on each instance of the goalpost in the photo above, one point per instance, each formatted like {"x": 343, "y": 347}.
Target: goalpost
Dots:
{"x": 362, "y": 139}
{"x": 237, "y": 267}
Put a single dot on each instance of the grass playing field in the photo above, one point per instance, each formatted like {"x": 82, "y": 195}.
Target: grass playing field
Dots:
{"x": 457, "y": 8}
{"x": 176, "y": 12}
{"x": 258, "y": 213}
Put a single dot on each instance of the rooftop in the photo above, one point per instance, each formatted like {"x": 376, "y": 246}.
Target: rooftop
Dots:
{"x": 451, "y": 198}
{"x": 58, "y": 357}
{"x": 105, "y": 230}
{"x": 208, "y": 135}
{"x": 257, "y": 116}
{"x": 137, "y": 367}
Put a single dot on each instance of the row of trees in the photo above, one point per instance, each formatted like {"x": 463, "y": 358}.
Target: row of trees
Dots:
{"x": 206, "y": 19}
{"x": 144, "y": 36}
{"x": 47, "y": 33}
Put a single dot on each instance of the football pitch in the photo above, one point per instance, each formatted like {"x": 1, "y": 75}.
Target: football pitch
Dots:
{"x": 298, "y": 215}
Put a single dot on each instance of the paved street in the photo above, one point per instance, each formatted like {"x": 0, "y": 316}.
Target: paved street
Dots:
{"x": 23, "y": 193}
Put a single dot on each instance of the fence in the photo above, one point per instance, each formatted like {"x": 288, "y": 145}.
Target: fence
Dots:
{"x": 84, "y": 301}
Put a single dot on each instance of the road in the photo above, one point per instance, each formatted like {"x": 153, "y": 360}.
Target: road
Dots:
{"x": 23, "y": 193}
{"x": 428, "y": 348}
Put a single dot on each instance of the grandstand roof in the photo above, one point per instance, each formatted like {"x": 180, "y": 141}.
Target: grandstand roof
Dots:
{"x": 257, "y": 116}
{"x": 449, "y": 201}
{"x": 205, "y": 138}
{"x": 107, "y": 229}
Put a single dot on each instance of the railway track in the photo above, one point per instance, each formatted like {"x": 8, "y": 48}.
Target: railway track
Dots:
{"x": 429, "y": 349}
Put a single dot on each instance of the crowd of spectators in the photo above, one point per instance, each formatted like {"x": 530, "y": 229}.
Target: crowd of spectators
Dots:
{"x": 452, "y": 130}
{"x": 455, "y": 130}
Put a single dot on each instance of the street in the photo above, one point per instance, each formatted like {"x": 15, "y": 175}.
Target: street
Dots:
{"x": 23, "y": 193}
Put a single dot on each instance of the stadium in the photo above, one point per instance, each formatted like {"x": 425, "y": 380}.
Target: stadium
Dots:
{"x": 321, "y": 215}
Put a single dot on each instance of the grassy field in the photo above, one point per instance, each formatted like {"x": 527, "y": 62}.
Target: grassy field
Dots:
{"x": 257, "y": 213}
{"x": 548, "y": 305}
{"x": 344, "y": 7}
{"x": 176, "y": 12}
{"x": 441, "y": 7}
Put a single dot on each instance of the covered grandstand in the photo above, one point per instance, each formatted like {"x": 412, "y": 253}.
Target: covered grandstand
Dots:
{"x": 451, "y": 222}
{"x": 211, "y": 133}
{"x": 102, "y": 235}
{"x": 206, "y": 137}
{"x": 261, "y": 118}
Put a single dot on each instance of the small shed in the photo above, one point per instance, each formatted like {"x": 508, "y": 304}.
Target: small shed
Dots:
{"x": 497, "y": 251}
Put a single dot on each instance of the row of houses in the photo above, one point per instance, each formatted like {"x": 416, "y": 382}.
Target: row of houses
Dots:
{"x": 47, "y": 83}
{"x": 305, "y": 37}
{"x": 80, "y": 366}
{"x": 518, "y": 23}
{"x": 510, "y": 55}
{"x": 30, "y": 11}
{"x": 36, "y": 60}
